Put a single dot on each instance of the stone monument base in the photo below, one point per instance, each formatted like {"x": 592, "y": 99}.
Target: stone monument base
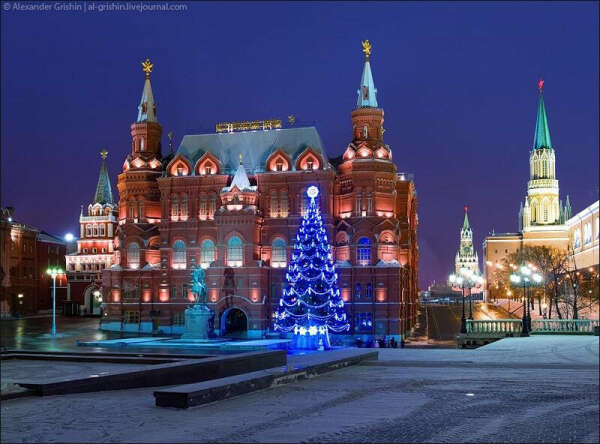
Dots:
{"x": 196, "y": 322}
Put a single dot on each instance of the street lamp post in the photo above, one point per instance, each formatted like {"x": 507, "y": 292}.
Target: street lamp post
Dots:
{"x": 54, "y": 272}
{"x": 460, "y": 281}
{"x": 526, "y": 278}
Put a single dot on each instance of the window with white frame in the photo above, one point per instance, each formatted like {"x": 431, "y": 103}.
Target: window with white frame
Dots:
{"x": 234, "y": 252}
{"x": 364, "y": 251}
{"x": 278, "y": 253}
{"x": 587, "y": 233}
{"x": 577, "y": 238}
{"x": 207, "y": 253}
{"x": 179, "y": 260}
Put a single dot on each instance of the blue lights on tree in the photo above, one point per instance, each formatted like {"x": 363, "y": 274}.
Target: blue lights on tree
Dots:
{"x": 311, "y": 305}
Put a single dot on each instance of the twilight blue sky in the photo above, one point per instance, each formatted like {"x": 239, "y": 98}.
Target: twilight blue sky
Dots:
{"x": 457, "y": 82}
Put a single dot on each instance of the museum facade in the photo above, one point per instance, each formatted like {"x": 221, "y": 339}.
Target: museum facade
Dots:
{"x": 232, "y": 201}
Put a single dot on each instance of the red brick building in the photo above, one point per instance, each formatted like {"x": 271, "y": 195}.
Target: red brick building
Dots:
{"x": 26, "y": 253}
{"x": 232, "y": 202}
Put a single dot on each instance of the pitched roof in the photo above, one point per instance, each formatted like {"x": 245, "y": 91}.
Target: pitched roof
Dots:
{"x": 254, "y": 146}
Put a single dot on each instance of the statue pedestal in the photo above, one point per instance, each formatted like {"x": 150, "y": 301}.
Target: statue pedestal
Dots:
{"x": 196, "y": 322}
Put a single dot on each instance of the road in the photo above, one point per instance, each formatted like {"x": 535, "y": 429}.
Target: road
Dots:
{"x": 439, "y": 324}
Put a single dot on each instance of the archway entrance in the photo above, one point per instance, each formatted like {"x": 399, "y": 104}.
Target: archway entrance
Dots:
{"x": 234, "y": 323}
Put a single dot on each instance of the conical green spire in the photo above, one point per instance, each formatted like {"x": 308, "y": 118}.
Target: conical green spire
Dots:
{"x": 466, "y": 225}
{"x": 103, "y": 190}
{"x": 541, "y": 139}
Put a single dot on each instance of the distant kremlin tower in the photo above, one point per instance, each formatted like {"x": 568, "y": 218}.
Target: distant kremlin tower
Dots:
{"x": 466, "y": 257}
{"x": 231, "y": 202}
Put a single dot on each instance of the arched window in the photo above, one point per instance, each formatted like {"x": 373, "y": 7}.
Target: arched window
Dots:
{"x": 545, "y": 211}
{"x": 279, "y": 164}
{"x": 208, "y": 168}
{"x": 358, "y": 206}
{"x": 95, "y": 230}
{"x": 207, "y": 255}
{"x": 278, "y": 253}
{"x": 364, "y": 251}
{"x": 102, "y": 232}
{"x": 133, "y": 255}
{"x": 88, "y": 231}
{"x": 140, "y": 208}
{"x": 234, "y": 252}
{"x": 179, "y": 260}
{"x": 358, "y": 290}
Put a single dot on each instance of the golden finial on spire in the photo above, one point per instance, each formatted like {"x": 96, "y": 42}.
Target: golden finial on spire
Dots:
{"x": 103, "y": 154}
{"x": 366, "y": 49}
{"x": 147, "y": 67}
{"x": 291, "y": 119}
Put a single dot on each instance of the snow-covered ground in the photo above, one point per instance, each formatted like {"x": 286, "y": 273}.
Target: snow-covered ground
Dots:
{"x": 537, "y": 389}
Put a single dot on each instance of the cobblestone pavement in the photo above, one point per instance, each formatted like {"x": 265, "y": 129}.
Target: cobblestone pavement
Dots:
{"x": 436, "y": 400}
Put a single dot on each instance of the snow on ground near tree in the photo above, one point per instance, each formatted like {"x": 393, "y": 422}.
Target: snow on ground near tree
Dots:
{"x": 433, "y": 398}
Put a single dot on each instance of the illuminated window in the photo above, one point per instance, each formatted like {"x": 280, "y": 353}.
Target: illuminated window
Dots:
{"x": 174, "y": 206}
{"x": 587, "y": 233}
{"x": 212, "y": 206}
{"x": 364, "y": 251}
{"x": 208, "y": 168}
{"x": 309, "y": 163}
{"x": 203, "y": 214}
{"x": 274, "y": 204}
{"x": 369, "y": 203}
{"x": 184, "y": 206}
{"x": 207, "y": 253}
{"x": 179, "y": 260}
{"x": 279, "y": 164}
{"x": 577, "y": 239}
{"x": 358, "y": 203}
{"x": 133, "y": 255}
{"x": 234, "y": 252}
{"x": 278, "y": 253}
{"x": 179, "y": 170}
{"x": 283, "y": 209}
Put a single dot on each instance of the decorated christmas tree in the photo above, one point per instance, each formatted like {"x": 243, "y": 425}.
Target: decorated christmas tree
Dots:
{"x": 311, "y": 306}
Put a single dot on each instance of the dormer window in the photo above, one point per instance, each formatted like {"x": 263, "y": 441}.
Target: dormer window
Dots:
{"x": 208, "y": 169}
{"x": 309, "y": 163}
{"x": 279, "y": 164}
{"x": 179, "y": 170}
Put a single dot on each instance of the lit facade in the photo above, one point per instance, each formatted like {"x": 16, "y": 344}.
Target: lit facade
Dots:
{"x": 543, "y": 219}
{"x": 232, "y": 202}
{"x": 95, "y": 245}
{"x": 466, "y": 256}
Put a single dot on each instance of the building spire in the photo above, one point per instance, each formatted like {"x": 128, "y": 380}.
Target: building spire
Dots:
{"x": 541, "y": 138}
{"x": 103, "y": 190}
{"x": 466, "y": 225}
{"x": 147, "y": 107}
{"x": 367, "y": 93}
